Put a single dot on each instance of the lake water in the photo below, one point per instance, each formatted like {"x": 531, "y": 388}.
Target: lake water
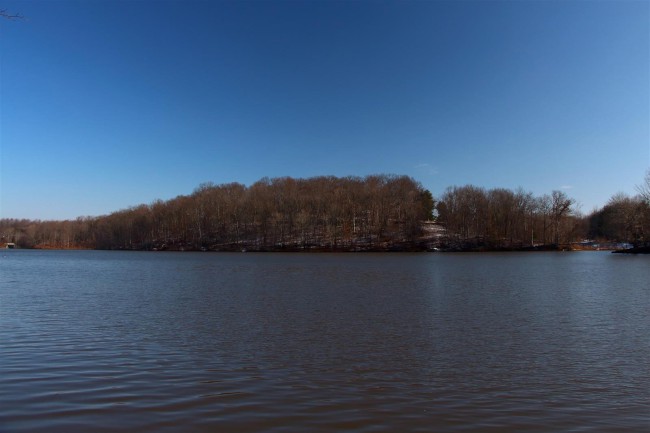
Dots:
{"x": 202, "y": 342}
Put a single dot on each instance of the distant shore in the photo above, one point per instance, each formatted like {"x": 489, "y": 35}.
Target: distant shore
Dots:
{"x": 637, "y": 250}
{"x": 408, "y": 247}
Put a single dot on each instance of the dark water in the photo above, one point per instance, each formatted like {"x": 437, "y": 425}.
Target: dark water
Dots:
{"x": 190, "y": 342}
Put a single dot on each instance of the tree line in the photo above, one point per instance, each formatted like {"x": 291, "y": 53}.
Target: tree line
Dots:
{"x": 502, "y": 218}
{"x": 515, "y": 219}
{"x": 380, "y": 212}
{"x": 625, "y": 218}
{"x": 329, "y": 213}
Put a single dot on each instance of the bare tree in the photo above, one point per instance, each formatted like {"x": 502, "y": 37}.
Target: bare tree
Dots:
{"x": 560, "y": 207}
{"x": 644, "y": 188}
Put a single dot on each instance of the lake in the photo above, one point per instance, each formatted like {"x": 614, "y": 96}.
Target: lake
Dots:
{"x": 108, "y": 341}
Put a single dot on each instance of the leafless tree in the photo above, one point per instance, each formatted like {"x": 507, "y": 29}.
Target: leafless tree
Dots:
{"x": 644, "y": 188}
{"x": 560, "y": 208}
{"x": 326, "y": 212}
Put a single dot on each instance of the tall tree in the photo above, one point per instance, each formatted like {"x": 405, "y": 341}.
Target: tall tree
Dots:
{"x": 560, "y": 208}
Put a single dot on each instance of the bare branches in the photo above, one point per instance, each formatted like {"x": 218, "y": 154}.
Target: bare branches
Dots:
{"x": 644, "y": 188}
{"x": 10, "y": 16}
{"x": 323, "y": 213}
{"x": 502, "y": 218}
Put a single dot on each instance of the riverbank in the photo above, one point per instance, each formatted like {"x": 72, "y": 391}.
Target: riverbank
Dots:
{"x": 637, "y": 250}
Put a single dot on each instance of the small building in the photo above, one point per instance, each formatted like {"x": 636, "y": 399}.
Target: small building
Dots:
{"x": 11, "y": 245}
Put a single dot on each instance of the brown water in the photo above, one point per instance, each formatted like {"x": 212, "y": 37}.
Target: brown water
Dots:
{"x": 191, "y": 342}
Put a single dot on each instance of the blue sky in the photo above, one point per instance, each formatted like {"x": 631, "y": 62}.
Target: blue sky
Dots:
{"x": 109, "y": 104}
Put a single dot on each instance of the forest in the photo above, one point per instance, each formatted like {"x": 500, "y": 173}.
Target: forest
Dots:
{"x": 320, "y": 213}
{"x": 327, "y": 213}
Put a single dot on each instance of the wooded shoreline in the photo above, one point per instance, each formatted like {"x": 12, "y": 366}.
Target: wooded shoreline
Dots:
{"x": 424, "y": 245}
{"x": 374, "y": 213}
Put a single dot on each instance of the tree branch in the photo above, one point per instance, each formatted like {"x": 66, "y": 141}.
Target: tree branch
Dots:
{"x": 9, "y": 15}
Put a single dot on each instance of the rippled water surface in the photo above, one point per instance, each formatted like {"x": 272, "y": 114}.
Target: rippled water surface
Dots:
{"x": 190, "y": 342}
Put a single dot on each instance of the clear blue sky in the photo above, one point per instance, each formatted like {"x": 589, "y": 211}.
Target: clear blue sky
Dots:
{"x": 109, "y": 104}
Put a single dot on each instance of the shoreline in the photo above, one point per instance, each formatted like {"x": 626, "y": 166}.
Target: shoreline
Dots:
{"x": 634, "y": 250}
{"x": 415, "y": 248}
